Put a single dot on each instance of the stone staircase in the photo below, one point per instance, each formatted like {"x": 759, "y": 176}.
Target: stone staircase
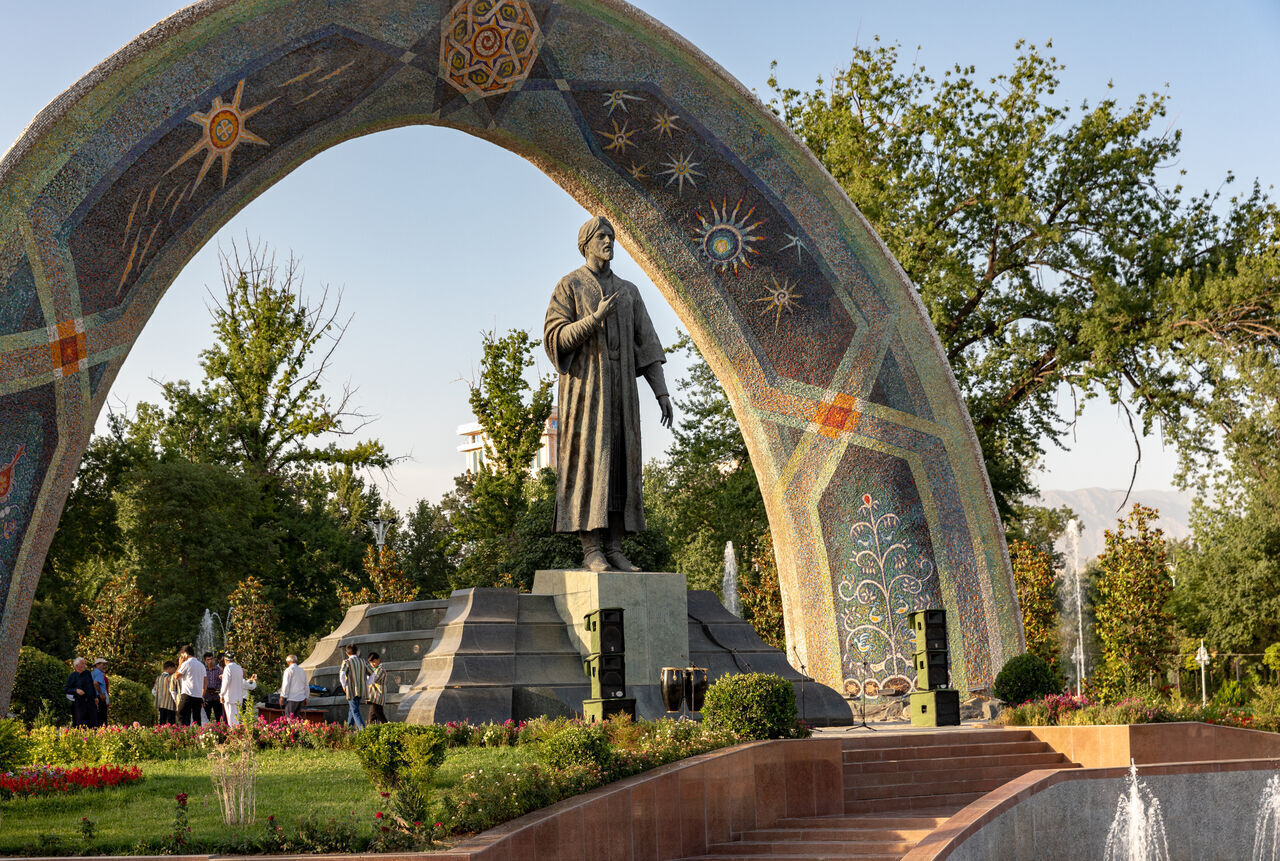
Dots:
{"x": 897, "y": 789}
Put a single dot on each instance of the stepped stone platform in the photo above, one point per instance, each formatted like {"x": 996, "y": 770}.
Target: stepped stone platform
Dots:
{"x": 496, "y": 654}
{"x": 401, "y": 633}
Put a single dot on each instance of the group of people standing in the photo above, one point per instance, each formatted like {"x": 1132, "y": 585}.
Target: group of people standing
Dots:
{"x": 192, "y": 691}
{"x": 89, "y": 691}
{"x": 196, "y": 690}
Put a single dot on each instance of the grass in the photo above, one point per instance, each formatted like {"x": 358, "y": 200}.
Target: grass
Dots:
{"x": 291, "y": 784}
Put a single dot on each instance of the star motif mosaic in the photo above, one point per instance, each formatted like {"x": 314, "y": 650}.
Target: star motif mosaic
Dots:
{"x": 681, "y": 169}
{"x": 780, "y": 297}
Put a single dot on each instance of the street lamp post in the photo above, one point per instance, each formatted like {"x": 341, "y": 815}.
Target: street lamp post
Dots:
{"x": 380, "y": 526}
{"x": 1202, "y": 658}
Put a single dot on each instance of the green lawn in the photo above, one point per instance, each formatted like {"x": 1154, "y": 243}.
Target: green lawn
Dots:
{"x": 291, "y": 784}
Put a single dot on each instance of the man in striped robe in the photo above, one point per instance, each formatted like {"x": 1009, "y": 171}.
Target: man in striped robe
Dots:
{"x": 354, "y": 678}
{"x": 377, "y": 689}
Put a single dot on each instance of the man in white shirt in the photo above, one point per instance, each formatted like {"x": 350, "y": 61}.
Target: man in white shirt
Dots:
{"x": 190, "y": 686}
{"x": 235, "y": 687}
{"x": 293, "y": 687}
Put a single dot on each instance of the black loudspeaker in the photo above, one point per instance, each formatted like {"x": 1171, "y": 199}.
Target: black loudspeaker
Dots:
{"x": 931, "y": 670}
{"x": 604, "y": 631}
{"x": 935, "y": 708}
{"x": 930, "y": 628}
{"x": 608, "y": 675}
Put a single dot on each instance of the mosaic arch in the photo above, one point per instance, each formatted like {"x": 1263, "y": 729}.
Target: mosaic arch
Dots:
{"x": 873, "y": 480}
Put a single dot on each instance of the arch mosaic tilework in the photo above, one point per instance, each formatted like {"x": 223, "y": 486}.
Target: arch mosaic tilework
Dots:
{"x": 871, "y": 474}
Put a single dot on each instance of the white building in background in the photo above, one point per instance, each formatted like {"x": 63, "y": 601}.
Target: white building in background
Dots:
{"x": 475, "y": 444}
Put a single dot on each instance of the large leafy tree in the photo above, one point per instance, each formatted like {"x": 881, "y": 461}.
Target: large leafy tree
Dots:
{"x": 1134, "y": 630}
{"x": 705, "y": 493}
{"x": 262, "y": 406}
{"x": 1037, "y": 598}
{"x": 1045, "y": 242}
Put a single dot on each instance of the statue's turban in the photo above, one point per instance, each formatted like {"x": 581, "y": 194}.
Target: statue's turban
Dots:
{"x": 590, "y": 229}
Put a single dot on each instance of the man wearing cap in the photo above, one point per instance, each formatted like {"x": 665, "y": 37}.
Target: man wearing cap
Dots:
{"x": 234, "y": 687}
{"x": 294, "y": 689}
{"x": 83, "y": 693}
{"x": 600, "y": 339}
{"x": 164, "y": 695}
{"x": 103, "y": 688}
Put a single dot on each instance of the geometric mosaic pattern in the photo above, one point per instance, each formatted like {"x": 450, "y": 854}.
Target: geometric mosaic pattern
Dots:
{"x": 871, "y": 474}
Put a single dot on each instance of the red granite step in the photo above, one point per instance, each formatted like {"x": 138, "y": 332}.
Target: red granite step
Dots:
{"x": 1003, "y": 748}
{"x": 1045, "y": 759}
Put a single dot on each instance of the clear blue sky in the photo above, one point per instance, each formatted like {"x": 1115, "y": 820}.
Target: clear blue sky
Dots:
{"x": 424, "y": 280}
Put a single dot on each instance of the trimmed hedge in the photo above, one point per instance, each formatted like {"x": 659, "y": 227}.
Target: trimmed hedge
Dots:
{"x": 753, "y": 705}
{"x": 131, "y": 702}
{"x": 37, "y": 687}
{"x": 386, "y": 750}
{"x": 1026, "y": 677}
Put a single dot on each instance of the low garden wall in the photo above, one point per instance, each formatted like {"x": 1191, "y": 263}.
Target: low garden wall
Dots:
{"x": 675, "y": 811}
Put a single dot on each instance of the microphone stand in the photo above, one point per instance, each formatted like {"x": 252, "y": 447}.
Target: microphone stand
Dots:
{"x": 866, "y": 671}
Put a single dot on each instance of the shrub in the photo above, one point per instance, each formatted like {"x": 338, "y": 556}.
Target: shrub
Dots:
{"x": 486, "y": 797}
{"x": 384, "y": 750}
{"x": 1025, "y": 677}
{"x": 37, "y": 685}
{"x": 577, "y": 744}
{"x": 754, "y": 706}
{"x": 1230, "y": 693}
{"x": 15, "y": 747}
{"x": 130, "y": 702}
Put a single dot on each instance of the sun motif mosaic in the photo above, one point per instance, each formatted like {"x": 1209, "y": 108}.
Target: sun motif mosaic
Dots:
{"x": 726, "y": 236}
{"x": 223, "y": 129}
{"x": 488, "y": 46}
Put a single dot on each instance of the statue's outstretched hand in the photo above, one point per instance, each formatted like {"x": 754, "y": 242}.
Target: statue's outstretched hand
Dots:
{"x": 664, "y": 403}
{"x": 605, "y": 308}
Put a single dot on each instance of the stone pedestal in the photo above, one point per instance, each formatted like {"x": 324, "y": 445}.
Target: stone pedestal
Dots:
{"x": 655, "y": 615}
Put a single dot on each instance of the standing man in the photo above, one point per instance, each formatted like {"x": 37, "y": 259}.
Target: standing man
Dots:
{"x": 377, "y": 689}
{"x": 354, "y": 678}
{"x": 293, "y": 687}
{"x": 213, "y": 687}
{"x": 104, "y": 690}
{"x": 190, "y": 676}
{"x": 84, "y": 696}
{"x": 234, "y": 688}
{"x": 162, "y": 692}
{"x": 600, "y": 339}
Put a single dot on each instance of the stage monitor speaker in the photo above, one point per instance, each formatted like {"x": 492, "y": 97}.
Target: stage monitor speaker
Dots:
{"x": 935, "y": 708}
{"x": 930, "y": 629}
{"x": 931, "y": 670}
{"x": 608, "y": 675}
{"x": 598, "y": 710}
{"x": 604, "y": 631}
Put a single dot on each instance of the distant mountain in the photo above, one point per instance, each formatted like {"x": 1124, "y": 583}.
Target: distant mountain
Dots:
{"x": 1096, "y": 509}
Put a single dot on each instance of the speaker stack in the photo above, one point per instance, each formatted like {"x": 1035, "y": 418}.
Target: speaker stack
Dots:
{"x": 606, "y": 666}
{"x": 933, "y": 703}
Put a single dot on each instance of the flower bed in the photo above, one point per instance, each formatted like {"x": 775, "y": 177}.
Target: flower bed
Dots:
{"x": 50, "y": 780}
{"x": 81, "y": 745}
{"x": 1067, "y": 710}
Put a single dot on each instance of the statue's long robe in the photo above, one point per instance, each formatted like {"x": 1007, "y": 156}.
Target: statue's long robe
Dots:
{"x": 594, "y": 418}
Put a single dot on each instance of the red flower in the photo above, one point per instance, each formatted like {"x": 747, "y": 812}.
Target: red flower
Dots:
{"x": 378, "y": 815}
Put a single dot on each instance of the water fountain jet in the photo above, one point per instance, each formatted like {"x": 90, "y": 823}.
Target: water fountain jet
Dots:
{"x": 1137, "y": 830}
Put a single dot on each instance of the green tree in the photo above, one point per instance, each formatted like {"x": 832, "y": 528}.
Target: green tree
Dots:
{"x": 1046, "y": 247}
{"x": 1228, "y": 580}
{"x": 489, "y": 509}
{"x": 383, "y": 583}
{"x": 706, "y": 493}
{"x": 1033, "y": 579}
{"x": 253, "y": 632}
{"x": 1135, "y": 633}
{"x": 114, "y": 617}
{"x": 191, "y": 532}
{"x": 262, "y": 405}
{"x": 423, "y": 543}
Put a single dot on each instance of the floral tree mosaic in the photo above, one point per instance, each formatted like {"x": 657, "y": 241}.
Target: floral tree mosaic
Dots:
{"x": 887, "y": 579}
{"x": 832, "y": 366}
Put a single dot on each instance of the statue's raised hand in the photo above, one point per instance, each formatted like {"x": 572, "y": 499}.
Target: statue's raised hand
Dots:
{"x": 606, "y": 307}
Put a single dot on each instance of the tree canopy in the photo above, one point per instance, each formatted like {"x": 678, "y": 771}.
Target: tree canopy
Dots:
{"x": 1048, "y": 244}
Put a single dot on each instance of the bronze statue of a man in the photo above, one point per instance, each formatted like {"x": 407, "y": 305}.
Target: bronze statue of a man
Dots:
{"x": 600, "y": 340}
